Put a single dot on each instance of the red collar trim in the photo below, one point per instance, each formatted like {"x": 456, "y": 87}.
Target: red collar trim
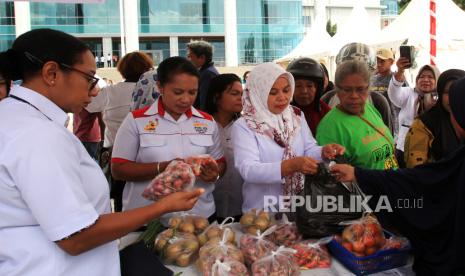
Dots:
{"x": 161, "y": 109}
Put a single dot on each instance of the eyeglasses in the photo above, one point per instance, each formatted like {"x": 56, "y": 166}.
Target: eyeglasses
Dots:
{"x": 357, "y": 90}
{"x": 90, "y": 78}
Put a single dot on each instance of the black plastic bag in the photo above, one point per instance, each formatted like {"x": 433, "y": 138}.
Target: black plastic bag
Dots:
{"x": 319, "y": 223}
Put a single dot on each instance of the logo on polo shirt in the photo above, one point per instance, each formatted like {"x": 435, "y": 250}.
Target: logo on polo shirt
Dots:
{"x": 200, "y": 128}
{"x": 151, "y": 126}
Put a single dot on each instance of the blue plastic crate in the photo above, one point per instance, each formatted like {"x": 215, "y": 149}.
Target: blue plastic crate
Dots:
{"x": 380, "y": 261}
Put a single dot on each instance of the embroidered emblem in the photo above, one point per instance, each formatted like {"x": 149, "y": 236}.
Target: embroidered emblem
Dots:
{"x": 151, "y": 126}
{"x": 200, "y": 128}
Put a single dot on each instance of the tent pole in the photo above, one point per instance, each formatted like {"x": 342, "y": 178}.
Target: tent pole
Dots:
{"x": 432, "y": 33}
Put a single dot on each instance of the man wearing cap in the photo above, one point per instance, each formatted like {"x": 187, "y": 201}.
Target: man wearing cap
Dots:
{"x": 380, "y": 82}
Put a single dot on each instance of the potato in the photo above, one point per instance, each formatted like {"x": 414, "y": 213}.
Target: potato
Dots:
{"x": 213, "y": 232}
{"x": 183, "y": 260}
{"x": 200, "y": 223}
{"x": 202, "y": 239}
{"x": 261, "y": 223}
{"x": 159, "y": 244}
{"x": 247, "y": 219}
{"x": 172, "y": 251}
{"x": 191, "y": 245}
{"x": 174, "y": 222}
{"x": 187, "y": 227}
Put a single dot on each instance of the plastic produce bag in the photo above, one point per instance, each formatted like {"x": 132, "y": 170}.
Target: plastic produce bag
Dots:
{"x": 216, "y": 231}
{"x": 279, "y": 263}
{"x": 255, "y": 220}
{"x": 255, "y": 247}
{"x": 317, "y": 223}
{"x": 177, "y": 248}
{"x": 312, "y": 253}
{"x": 286, "y": 232}
{"x": 197, "y": 161}
{"x": 218, "y": 250}
{"x": 396, "y": 243}
{"x": 227, "y": 267}
{"x": 188, "y": 223}
{"x": 177, "y": 176}
{"x": 363, "y": 237}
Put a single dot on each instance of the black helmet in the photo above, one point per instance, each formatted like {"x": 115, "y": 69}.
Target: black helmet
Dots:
{"x": 357, "y": 51}
{"x": 307, "y": 68}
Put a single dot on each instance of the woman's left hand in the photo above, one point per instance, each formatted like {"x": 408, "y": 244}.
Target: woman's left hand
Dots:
{"x": 209, "y": 172}
{"x": 330, "y": 151}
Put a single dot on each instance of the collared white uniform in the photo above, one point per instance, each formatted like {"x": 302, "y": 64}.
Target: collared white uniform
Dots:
{"x": 114, "y": 102}
{"x": 258, "y": 159}
{"x": 50, "y": 188}
{"x": 404, "y": 98}
{"x": 151, "y": 135}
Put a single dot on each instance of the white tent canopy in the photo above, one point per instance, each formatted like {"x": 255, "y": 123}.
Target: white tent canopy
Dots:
{"x": 357, "y": 28}
{"x": 318, "y": 44}
{"x": 314, "y": 41}
{"x": 413, "y": 26}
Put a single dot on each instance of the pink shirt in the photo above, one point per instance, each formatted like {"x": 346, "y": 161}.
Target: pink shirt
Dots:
{"x": 86, "y": 126}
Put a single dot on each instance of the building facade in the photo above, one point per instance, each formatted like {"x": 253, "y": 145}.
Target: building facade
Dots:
{"x": 266, "y": 29}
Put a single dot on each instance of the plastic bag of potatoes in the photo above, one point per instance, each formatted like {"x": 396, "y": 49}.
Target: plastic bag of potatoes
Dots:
{"x": 177, "y": 248}
{"x": 188, "y": 223}
{"x": 216, "y": 232}
{"x": 255, "y": 220}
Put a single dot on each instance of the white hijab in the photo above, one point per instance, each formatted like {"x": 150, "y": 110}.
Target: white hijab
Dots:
{"x": 282, "y": 128}
{"x": 255, "y": 102}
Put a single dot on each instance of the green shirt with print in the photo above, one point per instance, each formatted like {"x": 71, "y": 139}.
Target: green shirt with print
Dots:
{"x": 365, "y": 147}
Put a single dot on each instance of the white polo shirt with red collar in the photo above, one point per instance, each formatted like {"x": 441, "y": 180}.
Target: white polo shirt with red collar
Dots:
{"x": 151, "y": 135}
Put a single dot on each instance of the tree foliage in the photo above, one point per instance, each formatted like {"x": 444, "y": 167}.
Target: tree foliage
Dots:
{"x": 330, "y": 28}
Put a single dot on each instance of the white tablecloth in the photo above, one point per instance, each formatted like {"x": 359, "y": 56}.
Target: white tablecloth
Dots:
{"x": 335, "y": 269}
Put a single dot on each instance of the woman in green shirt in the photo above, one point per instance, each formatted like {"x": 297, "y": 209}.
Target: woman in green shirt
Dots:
{"x": 356, "y": 124}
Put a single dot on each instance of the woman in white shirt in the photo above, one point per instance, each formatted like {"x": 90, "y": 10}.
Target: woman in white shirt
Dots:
{"x": 411, "y": 101}
{"x": 171, "y": 128}
{"x": 54, "y": 203}
{"x": 224, "y": 102}
{"x": 273, "y": 145}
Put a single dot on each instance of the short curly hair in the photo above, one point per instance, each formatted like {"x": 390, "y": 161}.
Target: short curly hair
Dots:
{"x": 133, "y": 65}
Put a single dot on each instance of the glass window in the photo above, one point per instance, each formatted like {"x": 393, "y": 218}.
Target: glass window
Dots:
{"x": 157, "y": 48}
{"x": 268, "y": 29}
{"x": 77, "y": 18}
{"x": 7, "y": 25}
{"x": 181, "y": 16}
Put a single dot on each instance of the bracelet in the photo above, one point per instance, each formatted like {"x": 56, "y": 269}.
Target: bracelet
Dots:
{"x": 158, "y": 168}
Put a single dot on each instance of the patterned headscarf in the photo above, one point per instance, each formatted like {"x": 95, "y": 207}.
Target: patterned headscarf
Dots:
{"x": 282, "y": 128}
{"x": 146, "y": 92}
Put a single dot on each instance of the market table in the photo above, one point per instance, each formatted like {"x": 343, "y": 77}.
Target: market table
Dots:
{"x": 336, "y": 267}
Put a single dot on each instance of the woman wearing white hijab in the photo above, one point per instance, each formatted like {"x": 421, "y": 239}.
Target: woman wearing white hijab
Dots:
{"x": 273, "y": 146}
